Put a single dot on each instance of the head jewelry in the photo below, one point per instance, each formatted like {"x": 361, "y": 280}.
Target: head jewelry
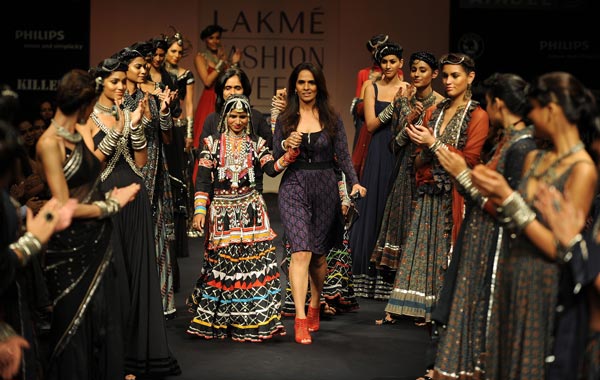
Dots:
{"x": 238, "y": 103}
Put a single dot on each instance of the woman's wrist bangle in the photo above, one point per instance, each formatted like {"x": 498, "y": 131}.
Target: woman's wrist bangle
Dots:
{"x": 219, "y": 66}
{"x": 563, "y": 252}
{"x": 283, "y": 144}
{"x": 516, "y": 212}
{"x": 437, "y": 144}
{"x": 28, "y": 245}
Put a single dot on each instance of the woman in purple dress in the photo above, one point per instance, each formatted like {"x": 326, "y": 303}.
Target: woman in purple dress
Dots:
{"x": 308, "y": 193}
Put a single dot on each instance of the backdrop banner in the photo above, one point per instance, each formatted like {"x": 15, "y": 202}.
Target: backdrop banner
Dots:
{"x": 52, "y": 39}
{"x": 529, "y": 37}
{"x": 274, "y": 37}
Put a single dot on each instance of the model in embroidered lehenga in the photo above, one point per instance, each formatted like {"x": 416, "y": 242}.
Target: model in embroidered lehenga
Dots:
{"x": 461, "y": 125}
{"x": 410, "y": 107}
{"x": 238, "y": 294}
{"x": 460, "y": 315}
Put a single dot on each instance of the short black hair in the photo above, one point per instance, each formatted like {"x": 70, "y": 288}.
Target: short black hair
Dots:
{"x": 210, "y": 30}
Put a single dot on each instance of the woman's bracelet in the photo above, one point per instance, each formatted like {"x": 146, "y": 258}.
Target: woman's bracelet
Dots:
{"x": 386, "y": 115}
{"x": 201, "y": 201}
{"x": 283, "y": 144}
{"x": 219, "y": 66}
{"x": 464, "y": 179}
{"x": 516, "y": 212}
{"x": 166, "y": 121}
{"x": 437, "y": 144}
{"x": 138, "y": 138}
{"x": 190, "y": 127}
{"x": 109, "y": 142}
{"x": 28, "y": 245}
{"x": 563, "y": 252}
{"x": 108, "y": 207}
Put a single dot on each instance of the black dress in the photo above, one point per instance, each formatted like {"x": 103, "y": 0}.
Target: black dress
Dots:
{"x": 84, "y": 341}
{"x": 145, "y": 338}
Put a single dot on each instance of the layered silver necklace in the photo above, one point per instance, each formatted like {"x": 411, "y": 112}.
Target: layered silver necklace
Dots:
{"x": 65, "y": 134}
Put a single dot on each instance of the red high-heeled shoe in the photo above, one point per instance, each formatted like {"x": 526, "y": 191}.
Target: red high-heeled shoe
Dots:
{"x": 313, "y": 318}
{"x": 301, "y": 333}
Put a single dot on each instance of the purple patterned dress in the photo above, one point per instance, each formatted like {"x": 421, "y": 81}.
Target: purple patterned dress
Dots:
{"x": 308, "y": 194}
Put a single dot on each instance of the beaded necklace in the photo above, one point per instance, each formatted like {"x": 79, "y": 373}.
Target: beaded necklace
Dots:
{"x": 237, "y": 160}
{"x": 427, "y": 101}
{"x": 103, "y": 108}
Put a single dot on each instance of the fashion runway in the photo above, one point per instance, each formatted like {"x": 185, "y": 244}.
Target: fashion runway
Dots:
{"x": 348, "y": 346}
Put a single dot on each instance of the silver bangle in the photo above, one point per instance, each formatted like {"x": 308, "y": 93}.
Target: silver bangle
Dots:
{"x": 386, "y": 115}
{"x": 190, "y": 127}
{"x": 516, "y": 213}
{"x": 109, "y": 207}
{"x": 138, "y": 138}
{"x": 437, "y": 144}
{"x": 109, "y": 142}
{"x": 283, "y": 144}
{"x": 563, "y": 252}
{"x": 28, "y": 245}
{"x": 145, "y": 121}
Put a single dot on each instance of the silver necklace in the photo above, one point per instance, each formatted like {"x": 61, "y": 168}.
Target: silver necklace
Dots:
{"x": 108, "y": 110}
{"x": 65, "y": 134}
{"x": 459, "y": 125}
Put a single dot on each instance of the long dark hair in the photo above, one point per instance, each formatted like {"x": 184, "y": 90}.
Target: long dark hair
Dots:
{"x": 223, "y": 78}
{"x": 577, "y": 102}
{"x": 290, "y": 116}
{"x": 76, "y": 91}
{"x": 512, "y": 89}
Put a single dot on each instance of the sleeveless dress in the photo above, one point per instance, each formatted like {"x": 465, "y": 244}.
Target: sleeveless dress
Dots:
{"x": 464, "y": 299}
{"x": 376, "y": 176}
{"x": 521, "y": 330}
{"x": 146, "y": 348}
{"x": 85, "y": 337}
{"x": 206, "y": 106}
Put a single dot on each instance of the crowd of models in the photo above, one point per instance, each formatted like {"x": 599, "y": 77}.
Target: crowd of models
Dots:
{"x": 480, "y": 223}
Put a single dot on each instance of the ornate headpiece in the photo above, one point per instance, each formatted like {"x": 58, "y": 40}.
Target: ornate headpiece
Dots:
{"x": 239, "y": 103}
{"x": 104, "y": 69}
{"x": 388, "y": 48}
{"x": 376, "y": 40}
{"x": 178, "y": 38}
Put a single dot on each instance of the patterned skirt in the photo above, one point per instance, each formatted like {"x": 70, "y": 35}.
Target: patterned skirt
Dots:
{"x": 238, "y": 293}
{"x": 424, "y": 260}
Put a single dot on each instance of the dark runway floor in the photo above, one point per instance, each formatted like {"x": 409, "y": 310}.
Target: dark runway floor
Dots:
{"x": 348, "y": 346}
